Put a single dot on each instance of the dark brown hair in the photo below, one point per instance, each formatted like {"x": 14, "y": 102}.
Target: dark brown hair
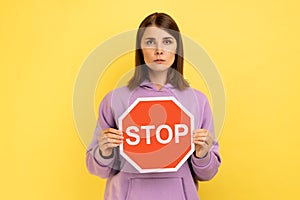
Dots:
{"x": 175, "y": 73}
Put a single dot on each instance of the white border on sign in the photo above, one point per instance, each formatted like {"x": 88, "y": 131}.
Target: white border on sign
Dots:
{"x": 127, "y": 111}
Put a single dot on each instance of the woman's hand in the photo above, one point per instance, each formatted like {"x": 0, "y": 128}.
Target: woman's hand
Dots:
{"x": 109, "y": 139}
{"x": 203, "y": 140}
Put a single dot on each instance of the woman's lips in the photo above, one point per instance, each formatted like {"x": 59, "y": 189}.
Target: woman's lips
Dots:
{"x": 159, "y": 61}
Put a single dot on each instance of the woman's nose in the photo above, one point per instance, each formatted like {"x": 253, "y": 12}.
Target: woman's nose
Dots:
{"x": 158, "y": 52}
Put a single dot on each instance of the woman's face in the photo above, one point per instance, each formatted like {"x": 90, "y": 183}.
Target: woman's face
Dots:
{"x": 159, "y": 48}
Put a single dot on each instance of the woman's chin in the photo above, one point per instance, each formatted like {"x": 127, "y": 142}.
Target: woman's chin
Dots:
{"x": 158, "y": 67}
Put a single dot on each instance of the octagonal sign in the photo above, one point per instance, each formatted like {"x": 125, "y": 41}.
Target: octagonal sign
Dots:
{"x": 157, "y": 134}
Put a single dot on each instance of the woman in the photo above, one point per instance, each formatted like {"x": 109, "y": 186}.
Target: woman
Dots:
{"x": 158, "y": 72}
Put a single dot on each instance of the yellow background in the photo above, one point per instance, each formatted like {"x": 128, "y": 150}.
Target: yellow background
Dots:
{"x": 254, "y": 45}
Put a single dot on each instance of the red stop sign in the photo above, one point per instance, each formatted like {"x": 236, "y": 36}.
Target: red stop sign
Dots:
{"x": 157, "y": 134}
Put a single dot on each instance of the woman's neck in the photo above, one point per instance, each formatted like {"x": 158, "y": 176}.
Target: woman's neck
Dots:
{"x": 159, "y": 79}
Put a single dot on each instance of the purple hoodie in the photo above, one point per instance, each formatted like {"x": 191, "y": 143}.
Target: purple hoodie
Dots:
{"x": 123, "y": 180}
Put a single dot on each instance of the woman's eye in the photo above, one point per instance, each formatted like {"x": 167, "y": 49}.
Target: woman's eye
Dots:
{"x": 150, "y": 42}
{"x": 168, "y": 42}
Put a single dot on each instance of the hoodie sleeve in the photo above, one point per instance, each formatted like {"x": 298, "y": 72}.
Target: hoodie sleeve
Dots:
{"x": 207, "y": 167}
{"x": 96, "y": 164}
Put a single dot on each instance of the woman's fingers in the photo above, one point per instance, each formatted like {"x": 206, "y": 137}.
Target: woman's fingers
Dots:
{"x": 109, "y": 146}
{"x": 113, "y": 131}
{"x": 110, "y": 138}
{"x": 202, "y": 137}
{"x": 114, "y": 141}
{"x": 201, "y": 143}
{"x": 114, "y": 136}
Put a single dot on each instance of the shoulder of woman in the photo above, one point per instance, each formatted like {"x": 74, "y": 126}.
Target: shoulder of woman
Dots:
{"x": 197, "y": 93}
{"x": 117, "y": 92}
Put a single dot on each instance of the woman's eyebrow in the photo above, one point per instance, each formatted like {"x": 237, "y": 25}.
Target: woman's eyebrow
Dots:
{"x": 167, "y": 38}
{"x": 149, "y": 38}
